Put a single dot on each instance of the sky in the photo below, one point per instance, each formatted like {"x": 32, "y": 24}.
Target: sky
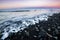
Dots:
{"x": 6, "y": 4}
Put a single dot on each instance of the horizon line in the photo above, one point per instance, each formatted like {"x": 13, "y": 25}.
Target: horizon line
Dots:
{"x": 28, "y": 8}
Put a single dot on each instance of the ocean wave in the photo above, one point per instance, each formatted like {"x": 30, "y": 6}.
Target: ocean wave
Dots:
{"x": 16, "y": 24}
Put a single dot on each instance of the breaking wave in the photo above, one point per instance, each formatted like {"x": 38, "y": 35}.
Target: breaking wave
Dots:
{"x": 16, "y": 24}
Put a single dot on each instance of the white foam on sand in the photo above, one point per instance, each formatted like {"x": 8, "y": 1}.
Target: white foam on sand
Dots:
{"x": 25, "y": 22}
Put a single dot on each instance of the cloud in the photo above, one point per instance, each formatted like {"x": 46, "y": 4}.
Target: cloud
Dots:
{"x": 21, "y": 4}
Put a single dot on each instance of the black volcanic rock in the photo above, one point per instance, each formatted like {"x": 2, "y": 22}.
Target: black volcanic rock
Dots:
{"x": 44, "y": 30}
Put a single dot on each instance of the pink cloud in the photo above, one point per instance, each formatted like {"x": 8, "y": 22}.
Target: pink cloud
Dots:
{"x": 36, "y": 3}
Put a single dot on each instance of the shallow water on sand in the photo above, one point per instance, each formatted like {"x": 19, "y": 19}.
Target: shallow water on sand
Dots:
{"x": 27, "y": 18}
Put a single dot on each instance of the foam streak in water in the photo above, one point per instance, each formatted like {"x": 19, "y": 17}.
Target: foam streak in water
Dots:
{"x": 17, "y": 24}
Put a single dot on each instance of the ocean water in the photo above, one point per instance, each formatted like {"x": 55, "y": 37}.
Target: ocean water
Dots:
{"x": 12, "y": 22}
